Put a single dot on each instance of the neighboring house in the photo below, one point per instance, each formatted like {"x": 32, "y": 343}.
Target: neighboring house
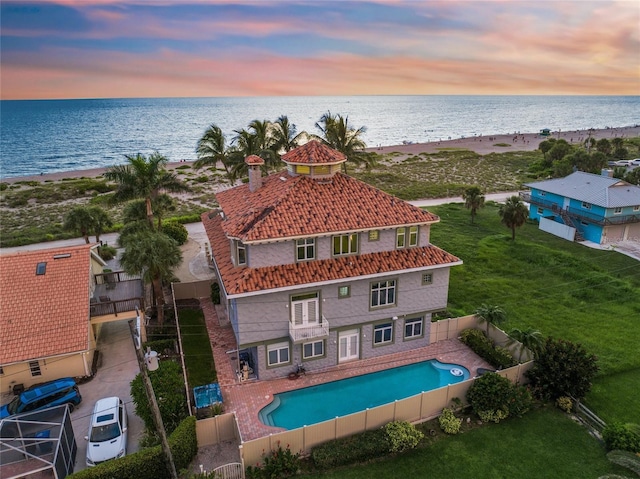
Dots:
{"x": 317, "y": 268}
{"x": 49, "y": 320}
{"x": 600, "y": 208}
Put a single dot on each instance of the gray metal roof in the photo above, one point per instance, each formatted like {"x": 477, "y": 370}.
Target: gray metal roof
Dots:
{"x": 598, "y": 190}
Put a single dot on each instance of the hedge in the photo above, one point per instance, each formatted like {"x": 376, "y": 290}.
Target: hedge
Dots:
{"x": 149, "y": 463}
{"x": 356, "y": 448}
{"x": 498, "y": 356}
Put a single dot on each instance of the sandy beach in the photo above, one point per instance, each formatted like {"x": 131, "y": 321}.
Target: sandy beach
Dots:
{"x": 480, "y": 144}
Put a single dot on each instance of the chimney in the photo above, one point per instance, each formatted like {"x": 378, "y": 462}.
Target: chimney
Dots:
{"x": 254, "y": 163}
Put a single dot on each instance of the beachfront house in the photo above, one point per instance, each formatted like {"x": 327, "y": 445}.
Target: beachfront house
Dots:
{"x": 584, "y": 206}
{"x": 53, "y": 303}
{"x": 317, "y": 268}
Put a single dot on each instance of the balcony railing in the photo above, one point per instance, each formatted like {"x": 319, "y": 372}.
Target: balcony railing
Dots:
{"x": 118, "y": 307}
{"x": 581, "y": 215}
{"x": 304, "y": 333}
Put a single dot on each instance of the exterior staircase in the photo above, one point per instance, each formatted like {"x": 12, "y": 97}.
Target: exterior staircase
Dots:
{"x": 567, "y": 220}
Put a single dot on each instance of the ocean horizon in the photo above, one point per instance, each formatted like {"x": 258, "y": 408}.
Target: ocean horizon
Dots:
{"x": 48, "y": 136}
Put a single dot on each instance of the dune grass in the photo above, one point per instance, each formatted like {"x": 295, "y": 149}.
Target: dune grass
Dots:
{"x": 544, "y": 443}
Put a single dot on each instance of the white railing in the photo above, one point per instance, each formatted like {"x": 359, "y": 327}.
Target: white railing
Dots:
{"x": 300, "y": 332}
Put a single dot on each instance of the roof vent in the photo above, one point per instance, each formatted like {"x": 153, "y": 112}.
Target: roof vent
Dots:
{"x": 283, "y": 178}
{"x": 41, "y": 269}
{"x": 62, "y": 255}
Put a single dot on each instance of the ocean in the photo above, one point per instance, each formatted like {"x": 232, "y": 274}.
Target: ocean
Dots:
{"x": 46, "y": 136}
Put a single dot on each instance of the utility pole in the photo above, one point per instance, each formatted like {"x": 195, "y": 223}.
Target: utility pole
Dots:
{"x": 157, "y": 418}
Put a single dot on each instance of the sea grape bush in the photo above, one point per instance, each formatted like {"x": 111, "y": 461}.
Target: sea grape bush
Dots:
{"x": 402, "y": 435}
{"x": 278, "y": 463}
{"x": 494, "y": 398}
{"x": 449, "y": 423}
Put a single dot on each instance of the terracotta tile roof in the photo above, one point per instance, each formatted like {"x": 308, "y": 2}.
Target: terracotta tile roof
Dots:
{"x": 254, "y": 160}
{"x": 44, "y": 315}
{"x": 314, "y": 152}
{"x": 247, "y": 280}
{"x": 288, "y": 206}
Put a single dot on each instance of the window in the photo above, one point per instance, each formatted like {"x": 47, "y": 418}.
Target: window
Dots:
{"x": 303, "y": 169}
{"x": 305, "y": 249}
{"x": 617, "y": 211}
{"x": 413, "y": 328}
{"x": 41, "y": 269}
{"x": 543, "y": 193}
{"x": 400, "y": 237}
{"x": 344, "y": 292}
{"x": 382, "y": 333}
{"x": 586, "y": 206}
{"x": 540, "y": 211}
{"x": 34, "y": 366}
{"x": 313, "y": 350}
{"x": 345, "y": 244}
{"x": 321, "y": 170}
{"x": 278, "y": 354}
{"x": 427, "y": 278}
{"x": 305, "y": 309}
{"x": 413, "y": 236}
{"x": 374, "y": 235}
{"x": 636, "y": 208}
{"x": 241, "y": 253}
{"x": 1, "y": 371}
{"x": 383, "y": 293}
{"x": 584, "y": 223}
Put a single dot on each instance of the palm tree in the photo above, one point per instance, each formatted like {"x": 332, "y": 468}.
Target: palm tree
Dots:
{"x": 473, "y": 199}
{"x": 101, "y": 221}
{"x": 529, "y": 338}
{"x": 490, "y": 315}
{"x": 212, "y": 149}
{"x": 285, "y": 136}
{"x": 79, "y": 220}
{"x": 514, "y": 214}
{"x": 154, "y": 256}
{"x": 339, "y": 135}
{"x": 144, "y": 178}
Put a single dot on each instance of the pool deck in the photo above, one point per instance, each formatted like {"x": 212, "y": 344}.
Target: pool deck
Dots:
{"x": 249, "y": 397}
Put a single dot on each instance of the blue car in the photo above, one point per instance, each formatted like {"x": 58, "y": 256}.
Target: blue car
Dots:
{"x": 42, "y": 396}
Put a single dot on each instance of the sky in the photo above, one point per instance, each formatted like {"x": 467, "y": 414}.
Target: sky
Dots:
{"x": 232, "y": 48}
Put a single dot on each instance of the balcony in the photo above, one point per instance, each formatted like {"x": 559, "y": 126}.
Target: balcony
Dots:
{"x": 304, "y": 333}
{"x": 116, "y": 296}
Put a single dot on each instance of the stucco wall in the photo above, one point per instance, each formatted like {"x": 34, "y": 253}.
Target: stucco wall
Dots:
{"x": 52, "y": 368}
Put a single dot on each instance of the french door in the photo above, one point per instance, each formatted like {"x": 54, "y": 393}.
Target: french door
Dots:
{"x": 304, "y": 310}
{"x": 348, "y": 345}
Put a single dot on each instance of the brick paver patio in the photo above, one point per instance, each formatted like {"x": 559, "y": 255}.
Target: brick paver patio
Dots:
{"x": 249, "y": 397}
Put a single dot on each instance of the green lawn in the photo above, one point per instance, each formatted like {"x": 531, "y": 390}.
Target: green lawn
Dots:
{"x": 544, "y": 443}
{"x": 198, "y": 356}
{"x": 561, "y": 288}
{"x": 615, "y": 397}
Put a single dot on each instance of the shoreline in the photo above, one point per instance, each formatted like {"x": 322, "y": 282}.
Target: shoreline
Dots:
{"x": 482, "y": 144}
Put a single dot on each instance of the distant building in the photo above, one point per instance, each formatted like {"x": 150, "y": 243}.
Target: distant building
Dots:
{"x": 317, "y": 268}
{"x": 596, "y": 208}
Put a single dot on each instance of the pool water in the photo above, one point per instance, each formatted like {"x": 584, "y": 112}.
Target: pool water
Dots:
{"x": 314, "y": 404}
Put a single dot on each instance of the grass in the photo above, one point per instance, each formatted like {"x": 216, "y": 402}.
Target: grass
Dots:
{"x": 563, "y": 289}
{"x": 544, "y": 443}
{"x": 615, "y": 397}
{"x": 198, "y": 356}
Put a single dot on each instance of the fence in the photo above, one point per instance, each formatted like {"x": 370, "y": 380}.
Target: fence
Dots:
{"x": 193, "y": 289}
{"x": 214, "y": 430}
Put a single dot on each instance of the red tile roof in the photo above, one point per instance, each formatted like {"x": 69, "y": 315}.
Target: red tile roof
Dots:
{"x": 44, "y": 315}
{"x": 254, "y": 160}
{"x": 248, "y": 280}
{"x": 288, "y": 206}
{"x": 314, "y": 152}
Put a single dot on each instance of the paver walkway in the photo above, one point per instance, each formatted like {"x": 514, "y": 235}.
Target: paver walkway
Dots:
{"x": 246, "y": 399}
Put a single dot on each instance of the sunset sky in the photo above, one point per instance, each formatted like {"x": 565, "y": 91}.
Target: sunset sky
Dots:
{"x": 198, "y": 48}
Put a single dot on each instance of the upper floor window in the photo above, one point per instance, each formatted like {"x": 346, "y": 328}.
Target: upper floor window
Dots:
{"x": 241, "y": 253}
{"x": 617, "y": 210}
{"x": 543, "y": 193}
{"x": 586, "y": 206}
{"x": 306, "y": 249}
{"x": 345, "y": 244}
{"x": 344, "y": 291}
{"x": 636, "y": 208}
{"x": 383, "y": 293}
{"x": 427, "y": 278}
{"x": 401, "y": 237}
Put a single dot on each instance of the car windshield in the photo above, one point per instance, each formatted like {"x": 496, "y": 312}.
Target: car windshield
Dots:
{"x": 12, "y": 407}
{"x": 105, "y": 432}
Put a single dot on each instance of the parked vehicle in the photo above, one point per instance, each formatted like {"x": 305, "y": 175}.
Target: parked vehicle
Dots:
{"x": 622, "y": 163}
{"x": 41, "y": 396}
{"x": 107, "y": 431}
{"x": 635, "y": 162}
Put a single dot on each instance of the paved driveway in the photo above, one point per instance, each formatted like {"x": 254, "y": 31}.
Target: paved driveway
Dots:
{"x": 118, "y": 367}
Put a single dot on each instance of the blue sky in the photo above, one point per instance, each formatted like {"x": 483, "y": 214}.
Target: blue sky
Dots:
{"x": 163, "y": 48}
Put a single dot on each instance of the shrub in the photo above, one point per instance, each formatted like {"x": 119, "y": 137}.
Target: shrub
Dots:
{"x": 499, "y": 357}
{"x": 621, "y": 437}
{"x": 562, "y": 368}
{"x": 176, "y": 231}
{"x": 168, "y": 384}
{"x": 565, "y": 403}
{"x": 279, "y": 463}
{"x": 107, "y": 252}
{"x": 402, "y": 435}
{"x": 493, "y": 398}
{"x": 215, "y": 293}
{"x": 449, "y": 423}
{"x": 348, "y": 450}
{"x": 493, "y": 416}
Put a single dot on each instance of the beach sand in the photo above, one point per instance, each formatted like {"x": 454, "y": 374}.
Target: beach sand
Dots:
{"x": 480, "y": 144}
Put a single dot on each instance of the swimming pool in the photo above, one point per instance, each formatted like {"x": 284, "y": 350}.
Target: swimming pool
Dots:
{"x": 314, "y": 404}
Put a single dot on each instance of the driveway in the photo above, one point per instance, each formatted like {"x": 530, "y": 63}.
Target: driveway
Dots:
{"x": 117, "y": 369}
